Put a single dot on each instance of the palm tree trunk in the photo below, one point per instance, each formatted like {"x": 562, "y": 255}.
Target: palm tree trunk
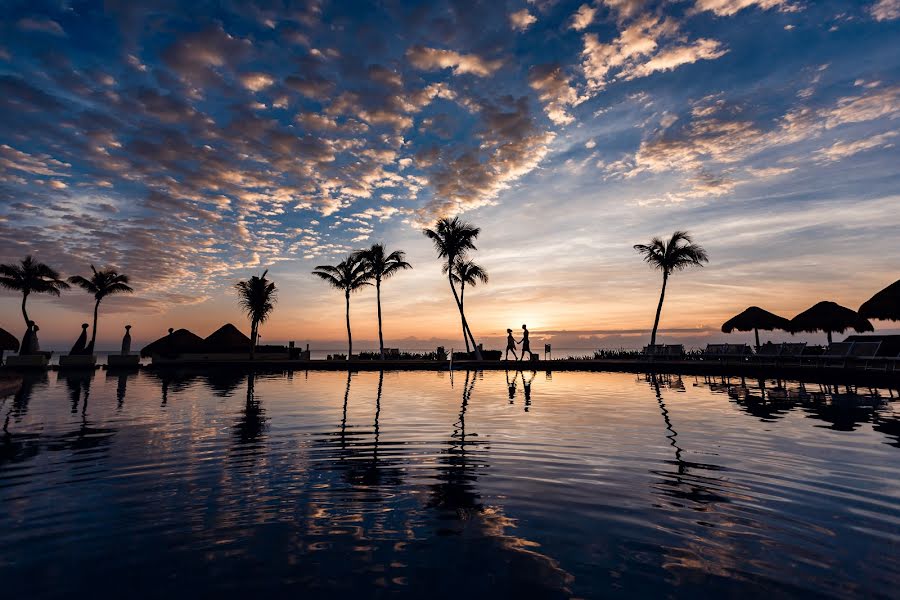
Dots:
{"x": 756, "y": 331}
{"x": 462, "y": 315}
{"x": 662, "y": 296}
{"x": 349, "y": 335}
{"x": 378, "y": 300}
{"x": 94, "y": 331}
{"x": 25, "y": 312}
{"x": 254, "y": 329}
{"x": 829, "y": 337}
{"x": 462, "y": 304}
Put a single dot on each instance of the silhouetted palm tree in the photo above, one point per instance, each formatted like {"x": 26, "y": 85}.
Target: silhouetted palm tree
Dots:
{"x": 101, "y": 284}
{"x": 679, "y": 252}
{"x": 257, "y": 296}
{"x": 467, "y": 272}
{"x": 348, "y": 275}
{"x": 31, "y": 277}
{"x": 382, "y": 266}
{"x": 452, "y": 239}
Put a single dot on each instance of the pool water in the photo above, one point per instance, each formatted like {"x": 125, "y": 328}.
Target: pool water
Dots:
{"x": 432, "y": 485}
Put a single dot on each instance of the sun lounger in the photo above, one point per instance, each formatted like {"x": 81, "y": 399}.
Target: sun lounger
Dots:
{"x": 118, "y": 361}
{"x": 674, "y": 351}
{"x": 656, "y": 350}
{"x": 29, "y": 361}
{"x": 714, "y": 352}
{"x": 864, "y": 353}
{"x": 836, "y": 354}
{"x": 768, "y": 354}
{"x": 77, "y": 361}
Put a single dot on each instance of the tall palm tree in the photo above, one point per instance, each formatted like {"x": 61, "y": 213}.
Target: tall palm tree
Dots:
{"x": 101, "y": 284}
{"x": 453, "y": 239}
{"x": 676, "y": 254}
{"x": 348, "y": 275}
{"x": 31, "y": 277}
{"x": 257, "y": 296}
{"x": 467, "y": 272}
{"x": 381, "y": 266}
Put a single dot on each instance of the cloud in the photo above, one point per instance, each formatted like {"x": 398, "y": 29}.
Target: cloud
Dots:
{"x": 42, "y": 164}
{"x": 256, "y": 82}
{"x": 673, "y": 57}
{"x": 885, "y": 10}
{"x": 583, "y": 17}
{"x": 431, "y": 59}
{"x": 41, "y": 26}
{"x": 726, "y": 8}
{"x": 522, "y": 20}
{"x": 194, "y": 56}
{"x": 842, "y": 150}
{"x": 555, "y": 91}
{"x": 855, "y": 109}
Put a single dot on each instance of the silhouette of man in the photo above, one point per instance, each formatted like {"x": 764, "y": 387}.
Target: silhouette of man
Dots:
{"x": 526, "y": 344}
{"x": 81, "y": 342}
{"x": 526, "y": 388}
{"x": 126, "y": 341}
{"x": 27, "y": 340}
{"x": 510, "y": 345}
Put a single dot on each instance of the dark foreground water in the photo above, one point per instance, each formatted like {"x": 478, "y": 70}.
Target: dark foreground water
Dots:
{"x": 424, "y": 485}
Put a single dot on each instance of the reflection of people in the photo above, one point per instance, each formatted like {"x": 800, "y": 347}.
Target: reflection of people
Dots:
{"x": 81, "y": 342}
{"x": 511, "y": 386}
{"x": 526, "y": 388}
{"x": 126, "y": 341}
{"x": 510, "y": 345}
{"x": 526, "y": 344}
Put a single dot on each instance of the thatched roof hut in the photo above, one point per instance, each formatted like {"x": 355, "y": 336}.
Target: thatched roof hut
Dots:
{"x": 884, "y": 305}
{"x": 830, "y": 317}
{"x": 8, "y": 342}
{"x": 227, "y": 339}
{"x": 754, "y": 319}
{"x": 176, "y": 342}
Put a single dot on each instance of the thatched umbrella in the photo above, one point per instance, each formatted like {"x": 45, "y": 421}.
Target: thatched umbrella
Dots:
{"x": 830, "y": 317}
{"x": 884, "y": 305}
{"x": 177, "y": 342}
{"x": 753, "y": 319}
{"x": 227, "y": 339}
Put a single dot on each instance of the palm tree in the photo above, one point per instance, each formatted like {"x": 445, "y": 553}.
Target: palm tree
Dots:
{"x": 257, "y": 296}
{"x": 382, "y": 266}
{"x": 31, "y": 277}
{"x": 679, "y": 253}
{"x": 348, "y": 275}
{"x": 452, "y": 239}
{"x": 467, "y": 272}
{"x": 101, "y": 284}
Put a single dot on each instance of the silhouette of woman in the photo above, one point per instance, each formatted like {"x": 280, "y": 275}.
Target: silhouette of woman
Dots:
{"x": 27, "y": 344}
{"x": 510, "y": 345}
{"x": 35, "y": 344}
{"x": 511, "y": 386}
{"x": 80, "y": 343}
{"x": 526, "y": 344}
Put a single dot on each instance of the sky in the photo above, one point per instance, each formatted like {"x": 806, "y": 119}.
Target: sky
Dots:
{"x": 191, "y": 145}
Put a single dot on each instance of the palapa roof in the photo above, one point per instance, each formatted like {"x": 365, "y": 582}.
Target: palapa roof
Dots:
{"x": 178, "y": 342}
{"x": 8, "y": 342}
{"x": 756, "y": 318}
{"x": 884, "y": 305}
{"x": 226, "y": 339}
{"x": 829, "y": 316}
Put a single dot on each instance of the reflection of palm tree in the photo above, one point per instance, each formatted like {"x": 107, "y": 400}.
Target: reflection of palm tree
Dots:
{"x": 31, "y": 277}
{"x": 101, "y": 284}
{"x": 467, "y": 272}
{"x": 382, "y": 266}
{"x": 252, "y": 422}
{"x": 349, "y": 275}
{"x": 257, "y": 296}
{"x": 678, "y": 253}
{"x": 672, "y": 435}
{"x": 453, "y": 239}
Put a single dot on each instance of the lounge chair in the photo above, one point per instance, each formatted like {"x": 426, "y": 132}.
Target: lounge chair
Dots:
{"x": 714, "y": 352}
{"x": 792, "y": 352}
{"x": 768, "y": 354}
{"x": 653, "y": 351}
{"x": 836, "y": 354}
{"x": 77, "y": 361}
{"x": 674, "y": 351}
{"x": 29, "y": 361}
{"x": 738, "y": 352}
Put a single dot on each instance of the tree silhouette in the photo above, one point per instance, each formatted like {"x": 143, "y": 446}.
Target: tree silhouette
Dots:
{"x": 31, "y": 277}
{"x": 467, "y": 272}
{"x": 676, "y": 254}
{"x": 348, "y": 275}
{"x": 257, "y": 297}
{"x": 381, "y": 266}
{"x": 101, "y": 284}
{"x": 453, "y": 239}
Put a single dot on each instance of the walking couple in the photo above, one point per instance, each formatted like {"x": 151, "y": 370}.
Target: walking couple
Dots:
{"x": 511, "y": 344}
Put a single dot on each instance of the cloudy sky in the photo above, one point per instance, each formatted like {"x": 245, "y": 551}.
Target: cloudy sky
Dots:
{"x": 193, "y": 144}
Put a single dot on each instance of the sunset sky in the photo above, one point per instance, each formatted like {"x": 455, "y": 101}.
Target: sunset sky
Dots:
{"x": 191, "y": 144}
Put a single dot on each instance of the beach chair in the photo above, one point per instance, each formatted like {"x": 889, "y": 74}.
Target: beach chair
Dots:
{"x": 714, "y": 352}
{"x": 674, "y": 351}
{"x": 836, "y": 354}
{"x": 768, "y": 354}
{"x": 865, "y": 353}
{"x": 791, "y": 352}
{"x": 653, "y": 351}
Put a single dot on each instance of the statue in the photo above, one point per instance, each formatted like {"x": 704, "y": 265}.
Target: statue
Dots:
{"x": 35, "y": 344}
{"x": 126, "y": 341}
{"x": 80, "y": 343}
{"x": 27, "y": 340}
